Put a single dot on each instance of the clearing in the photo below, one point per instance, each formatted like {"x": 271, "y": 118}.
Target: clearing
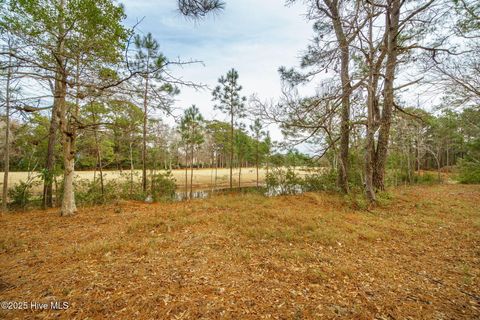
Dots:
{"x": 307, "y": 256}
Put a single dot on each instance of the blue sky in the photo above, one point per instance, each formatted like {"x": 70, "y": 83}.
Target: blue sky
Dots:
{"x": 255, "y": 37}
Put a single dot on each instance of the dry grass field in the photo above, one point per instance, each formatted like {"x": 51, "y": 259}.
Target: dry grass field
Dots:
{"x": 310, "y": 256}
{"x": 202, "y": 178}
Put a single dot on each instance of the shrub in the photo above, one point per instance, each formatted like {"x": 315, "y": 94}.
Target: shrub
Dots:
{"x": 320, "y": 181}
{"x": 282, "y": 181}
{"x": 88, "y": 192}
{"x": 418, "y": 178}
{"x": 468, "y": 172}
{"x": 427, "y": 178}
{"x": 127, "y": 187}
{"x": 163, "y": 186}
{"x": 21, "y": 194}
{"x": 356, "y": 199}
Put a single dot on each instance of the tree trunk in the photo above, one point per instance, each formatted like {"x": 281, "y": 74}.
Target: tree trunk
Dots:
{"x": 68, "y": 201}
{"x": 369, "y": 149}
{"x": 144, "y": 144}
{"x": 6, "y": 168}
{"x": 99, "y": 161}
{"x": 392, "y": 25}
{"x": 216, "y": 169}
{"x": 343, "y": 164}
{"x": 68, "y": 142}
{"x": 371, "y": 125}
{"x": 256, "y": 158}
{"x": 186, "y": 171}
{"x": 47, "y": 198}
{"x": 191, "y": 171}
{"x": 131, "y": 168}
{"x": 231, "y": 148}
{"x": 67, "y": 129}
{"x": 239, "y": 173}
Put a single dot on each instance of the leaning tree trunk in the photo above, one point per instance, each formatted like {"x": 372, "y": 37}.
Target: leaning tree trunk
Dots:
{"x": 392, "y": 25}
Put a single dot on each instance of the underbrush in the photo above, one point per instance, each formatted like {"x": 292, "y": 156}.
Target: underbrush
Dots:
{"x": 469, "y": 172}
{"x": 284, "y": 181}
{"x": 161, "y": 187}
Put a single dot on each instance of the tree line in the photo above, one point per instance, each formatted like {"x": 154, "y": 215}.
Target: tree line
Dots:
{"x": 79, "y": 89}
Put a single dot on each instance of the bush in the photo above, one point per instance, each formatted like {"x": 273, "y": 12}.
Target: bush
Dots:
{"x": 21, "y": 194}
{"x": 129, "y": 186}
{"x": 356, "y": 199}
{"x": 415, "y": 178}
{"x": 88, "y": 192}
{"x": 163, "y": 186}
{"x": 320, "y": 182}
{"x": 468, "y": 172}
{"x": 427, "y": 178}
{"x": 282, "y": 181}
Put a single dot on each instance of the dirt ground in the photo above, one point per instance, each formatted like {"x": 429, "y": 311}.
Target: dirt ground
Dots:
{"x": 310, "y": 256}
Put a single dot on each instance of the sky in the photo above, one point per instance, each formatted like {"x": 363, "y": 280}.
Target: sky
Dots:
{"x": 254, "y": 37}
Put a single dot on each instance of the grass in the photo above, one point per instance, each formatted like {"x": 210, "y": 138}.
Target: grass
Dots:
{"x": 310, "y": 256}
{"x": 202, "y": 178}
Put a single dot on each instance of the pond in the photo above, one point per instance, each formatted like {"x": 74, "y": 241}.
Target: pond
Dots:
{"x": 206, "y": 193}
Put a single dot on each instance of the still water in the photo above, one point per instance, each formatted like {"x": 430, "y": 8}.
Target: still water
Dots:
{"x": 206, "y": 193}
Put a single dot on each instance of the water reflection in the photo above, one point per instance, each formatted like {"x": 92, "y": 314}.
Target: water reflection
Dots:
{"x": 269, "y": 192}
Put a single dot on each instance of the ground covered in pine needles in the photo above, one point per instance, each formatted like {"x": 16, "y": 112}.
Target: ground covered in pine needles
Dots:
{"x": 310, "y": 256}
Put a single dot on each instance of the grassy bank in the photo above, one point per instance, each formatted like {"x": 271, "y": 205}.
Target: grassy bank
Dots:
{"x": 310, "y": 256}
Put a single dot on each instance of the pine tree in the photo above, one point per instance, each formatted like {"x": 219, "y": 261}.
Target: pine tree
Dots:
{"x": 151, "y": 64}
{"x": 227, "y": 94}
{"x": 191, "y": 129}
